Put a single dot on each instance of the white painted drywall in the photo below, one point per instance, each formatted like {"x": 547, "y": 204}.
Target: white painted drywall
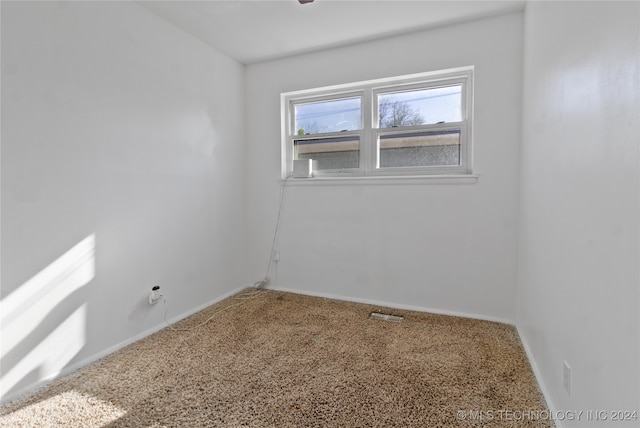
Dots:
{"x": 449, "y": 248}
{"x": 578, "y": 288}
{"x": 122, "y": 141}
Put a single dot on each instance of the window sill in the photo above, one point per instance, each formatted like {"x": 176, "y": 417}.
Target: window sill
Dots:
{"x": 387, "y": 180}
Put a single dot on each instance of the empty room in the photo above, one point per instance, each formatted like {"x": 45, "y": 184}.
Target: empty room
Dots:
{"x": 330, "y": 213}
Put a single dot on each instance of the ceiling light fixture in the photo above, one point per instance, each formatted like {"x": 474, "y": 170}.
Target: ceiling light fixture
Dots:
{"x": 305, "y": 1}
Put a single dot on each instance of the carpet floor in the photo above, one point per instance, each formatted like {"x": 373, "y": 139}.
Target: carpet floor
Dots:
{"x": 275, "y": 359}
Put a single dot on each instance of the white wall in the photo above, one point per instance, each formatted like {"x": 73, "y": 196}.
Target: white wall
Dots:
{"x": 124, "y": 134}
{"x": 443, "y": 247}
{"x": 578, "y": 294}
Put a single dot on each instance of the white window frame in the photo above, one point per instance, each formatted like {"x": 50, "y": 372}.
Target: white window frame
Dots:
{"x": 369, "y": 134}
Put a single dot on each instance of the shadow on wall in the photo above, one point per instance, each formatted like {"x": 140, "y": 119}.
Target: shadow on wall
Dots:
{"x": 43, "y": 322}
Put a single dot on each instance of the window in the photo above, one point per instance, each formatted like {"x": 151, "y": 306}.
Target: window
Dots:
{"x": 408, "y": 125}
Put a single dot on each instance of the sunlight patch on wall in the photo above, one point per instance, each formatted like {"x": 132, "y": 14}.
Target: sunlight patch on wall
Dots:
{"x": 25, "y": 310}
{"x": 53, "y": 353}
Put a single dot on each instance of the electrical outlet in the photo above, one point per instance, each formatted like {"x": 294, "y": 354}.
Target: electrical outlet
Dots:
{"x": 275, "y": 255}
{"x": 566, "y": 376}
{"x": 154, "y": 295}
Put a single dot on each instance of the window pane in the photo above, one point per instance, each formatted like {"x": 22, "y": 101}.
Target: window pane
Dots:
{"x": 436, "y": 148}
{"x": 328, "y": 116}
{"x": 329, "y": 153}
{"x": 420, "y": 107}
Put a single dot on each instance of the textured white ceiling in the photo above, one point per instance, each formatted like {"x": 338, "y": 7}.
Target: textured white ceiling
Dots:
{"x": 256, "y": 30}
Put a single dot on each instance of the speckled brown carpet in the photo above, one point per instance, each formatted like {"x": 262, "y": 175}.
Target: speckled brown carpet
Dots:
{"x": 286, "y": 360}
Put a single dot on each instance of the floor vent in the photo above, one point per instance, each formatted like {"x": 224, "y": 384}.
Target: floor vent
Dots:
{"x": 385, "y": 317}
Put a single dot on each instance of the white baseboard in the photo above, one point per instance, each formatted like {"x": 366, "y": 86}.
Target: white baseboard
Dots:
{"x": 394, "y": 305}
{"x": 538, "y": 375}
{"x": 31, "y": 389}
